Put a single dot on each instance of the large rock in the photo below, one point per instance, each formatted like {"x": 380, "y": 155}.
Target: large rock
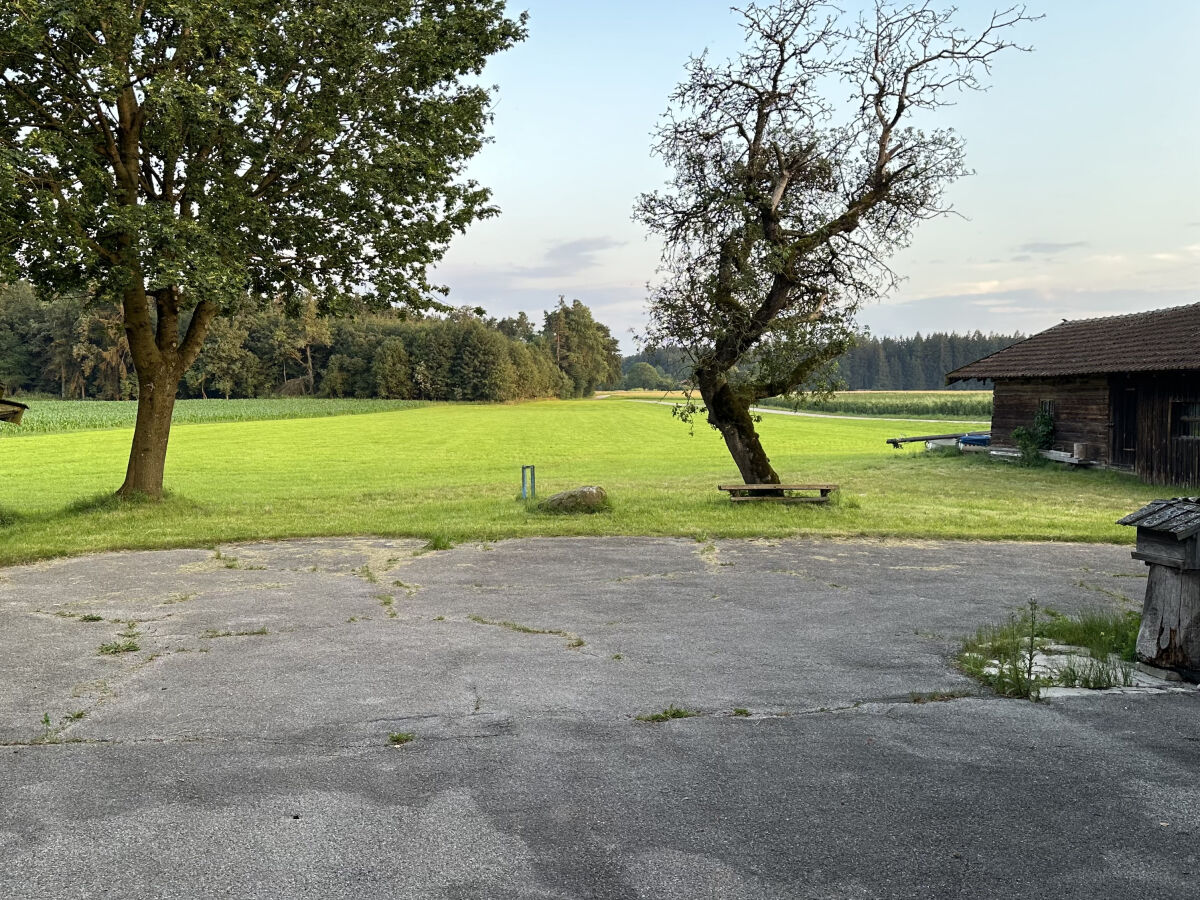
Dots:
{"x": 586, "y": 499}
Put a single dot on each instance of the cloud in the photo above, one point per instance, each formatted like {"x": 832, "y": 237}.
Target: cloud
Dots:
{"x": 569, "y": 258}
{"x": 1050, "y": 248}
{"x": 1027, "y": 310}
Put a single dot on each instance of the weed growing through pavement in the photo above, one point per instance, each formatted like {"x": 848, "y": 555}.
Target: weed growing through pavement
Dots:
{"x": 399, "y": 738}
{"x": 114, "y": 648}
{"x": 91, "y": 617}
{"x": 574, "y": 641}
{"x": 671, "y": 712}
{"x": 1094, "y": 674}
{"x": 741, "y": 711}
{"x": 435, "y": 543}
{"x": 213, "y": 633}
{"x": 387, "y": 601}
{"x": 1003, "y": 657}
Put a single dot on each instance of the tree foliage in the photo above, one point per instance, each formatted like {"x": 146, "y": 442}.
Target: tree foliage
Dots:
{"x": 268, "y": 350}
{"x": 582, "y": 347}
{"x": 175, "y": 157}
{"x": 797, "y": 171}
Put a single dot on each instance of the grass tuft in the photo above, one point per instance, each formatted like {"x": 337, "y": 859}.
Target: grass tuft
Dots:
{"x": 671, "y": 712}
{"x": 399, "y": 738}
{"x": 116, "y": 647}
{"x": 1003, "y": 656}
{"x": 574, "y": 641}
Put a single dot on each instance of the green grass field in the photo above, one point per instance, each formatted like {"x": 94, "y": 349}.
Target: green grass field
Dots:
{"x": 453, "y": 471}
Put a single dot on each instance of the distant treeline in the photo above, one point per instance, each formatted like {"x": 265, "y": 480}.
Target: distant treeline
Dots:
{"x": 65, "y": 348}
{"x": 917, "y": 363}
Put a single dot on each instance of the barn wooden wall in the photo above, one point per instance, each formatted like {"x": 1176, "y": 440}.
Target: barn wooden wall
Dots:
{"x": 1161, "y": 458}
{"x": 1080, "y": 411}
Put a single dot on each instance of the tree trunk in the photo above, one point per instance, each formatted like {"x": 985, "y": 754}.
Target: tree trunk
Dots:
{"x": 729, "y": 413}
{"x": 308, "y": 359}
{"x": 160, "y": 359}
{"x": 148, "y": 455}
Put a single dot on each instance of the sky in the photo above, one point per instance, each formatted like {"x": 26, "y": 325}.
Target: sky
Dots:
{"x": 1084, "y": 201}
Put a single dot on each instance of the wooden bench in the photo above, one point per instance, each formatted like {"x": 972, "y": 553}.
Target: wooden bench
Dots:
{"x": 778, "y": 492}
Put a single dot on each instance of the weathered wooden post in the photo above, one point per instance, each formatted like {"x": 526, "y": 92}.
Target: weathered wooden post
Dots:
{"x": 1168, "y": 541}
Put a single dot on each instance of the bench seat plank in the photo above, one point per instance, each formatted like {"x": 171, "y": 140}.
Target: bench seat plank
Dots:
{"x": 777, "y": 487}
{"x": 824, "y": 498}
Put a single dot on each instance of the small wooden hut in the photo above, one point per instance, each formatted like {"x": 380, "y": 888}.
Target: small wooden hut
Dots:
{"x": 1121, "y": 390}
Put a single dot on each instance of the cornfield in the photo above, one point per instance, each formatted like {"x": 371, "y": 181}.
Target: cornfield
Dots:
{"x": 973, "y": 405}
{"x": 56, "y": 416}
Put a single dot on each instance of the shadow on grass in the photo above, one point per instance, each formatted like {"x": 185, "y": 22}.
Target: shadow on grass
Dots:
{"x": 105, "y": 504}
{"x": 108, "y": 502}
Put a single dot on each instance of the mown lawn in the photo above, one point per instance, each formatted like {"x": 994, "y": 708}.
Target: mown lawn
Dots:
{"x": 454, "y": 471}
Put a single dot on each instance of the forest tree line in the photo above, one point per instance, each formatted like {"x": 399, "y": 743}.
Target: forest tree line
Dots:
{"x": 917, "y": 363}
{"x": 62, "y": 347}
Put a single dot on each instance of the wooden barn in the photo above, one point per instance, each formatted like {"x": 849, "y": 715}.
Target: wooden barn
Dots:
{"x": 1122, "y": 390}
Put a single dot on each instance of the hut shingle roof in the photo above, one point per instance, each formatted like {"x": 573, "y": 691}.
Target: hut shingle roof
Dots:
{"x": 1163, "y": 340}
{"x": 1179, "y": 517}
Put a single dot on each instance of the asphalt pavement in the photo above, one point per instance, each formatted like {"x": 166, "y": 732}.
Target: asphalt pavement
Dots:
{"x": 354, "y": 718}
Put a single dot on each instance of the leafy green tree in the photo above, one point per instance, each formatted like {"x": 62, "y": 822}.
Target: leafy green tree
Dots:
{"x": 225, "y": 363}
{"x": 102, "y": 350}
{"x": 393, "y": 372}
{"x": 519, "y": 328}
{"x": 785, "y": 205}
{"x": 482, "y": 367}
{"x": 583, "y": 348}
{"x": 432, "y": 349}
{"x": 61, "y": 330}
{"x": 643, "y": 376}
{"x": 181, "y": 155}
{"x": 19, "y": 321}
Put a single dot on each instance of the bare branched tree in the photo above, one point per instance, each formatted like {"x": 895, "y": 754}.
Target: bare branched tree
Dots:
{"x": 785, "y": 205}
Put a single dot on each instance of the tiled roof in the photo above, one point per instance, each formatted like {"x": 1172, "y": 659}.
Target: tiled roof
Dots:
{"x": 1179, "y": 517}
{"x": 1160, "y": 341}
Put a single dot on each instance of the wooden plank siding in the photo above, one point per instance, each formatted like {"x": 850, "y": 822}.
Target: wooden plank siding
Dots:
{"x": 1164, "y": 457}
{"x": 1081, "y": 411}
{"x": 1094, "y": 410}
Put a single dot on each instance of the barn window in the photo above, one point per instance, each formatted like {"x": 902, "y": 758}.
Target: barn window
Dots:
{"x": 1046, "y": 408}
{"x": 1185, "y": 421}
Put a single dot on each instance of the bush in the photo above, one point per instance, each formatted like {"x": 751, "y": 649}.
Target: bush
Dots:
{"x": 1031, "y": 441}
